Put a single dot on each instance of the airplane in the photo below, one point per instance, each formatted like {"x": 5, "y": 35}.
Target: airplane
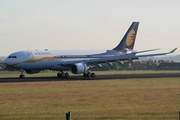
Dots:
{"x": 77, "y": 61}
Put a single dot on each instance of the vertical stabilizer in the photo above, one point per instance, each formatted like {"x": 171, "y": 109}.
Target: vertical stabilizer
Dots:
{"x": 129, "y": 38}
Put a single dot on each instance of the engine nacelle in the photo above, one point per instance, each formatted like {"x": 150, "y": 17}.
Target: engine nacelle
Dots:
{"x": 79, "y": 68}
{"x": 32, "y": 71}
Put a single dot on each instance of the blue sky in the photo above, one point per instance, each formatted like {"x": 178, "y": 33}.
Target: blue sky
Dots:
{"x": 87, "y": 24}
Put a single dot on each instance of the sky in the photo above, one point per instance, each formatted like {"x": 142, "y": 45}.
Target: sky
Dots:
{"x": 87, "y": 24}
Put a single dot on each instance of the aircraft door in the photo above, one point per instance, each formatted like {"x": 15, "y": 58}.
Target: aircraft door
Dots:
{"x": 27, "y": 55}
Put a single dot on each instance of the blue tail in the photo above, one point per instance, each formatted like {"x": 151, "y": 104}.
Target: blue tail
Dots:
{"x": 129, "y": 38}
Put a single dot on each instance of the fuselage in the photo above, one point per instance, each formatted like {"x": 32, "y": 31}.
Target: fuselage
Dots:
{"x": 53, "y": 59}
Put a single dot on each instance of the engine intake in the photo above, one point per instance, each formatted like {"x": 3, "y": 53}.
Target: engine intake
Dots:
{"x": 79, "y": 68}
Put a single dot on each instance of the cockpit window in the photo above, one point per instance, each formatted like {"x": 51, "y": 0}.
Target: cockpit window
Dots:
{"x": 12, "y": 57}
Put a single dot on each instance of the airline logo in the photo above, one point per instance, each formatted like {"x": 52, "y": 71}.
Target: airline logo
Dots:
{"x": 130, "y": 38}
{"x": 40, "y": 59}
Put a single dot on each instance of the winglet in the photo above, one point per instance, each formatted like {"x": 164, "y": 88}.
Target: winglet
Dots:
{"x": 173, "y": 50}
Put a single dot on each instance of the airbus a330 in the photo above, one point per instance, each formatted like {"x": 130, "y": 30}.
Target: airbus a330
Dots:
{"x": 77, "y": 61}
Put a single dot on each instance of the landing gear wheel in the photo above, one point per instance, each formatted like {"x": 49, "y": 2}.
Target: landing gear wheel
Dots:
{"x": 59, "y": 75}
{"x": 21, "y": 76}
{"x": 84, "y": 75}
{"x": 93, "y": 75}
{"x": 89, "y": 74}
{"x": 66, "y": 75}
{"x": 63, "y": 75}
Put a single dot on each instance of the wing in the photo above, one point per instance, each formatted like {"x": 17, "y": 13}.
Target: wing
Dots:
{"x": 93, "y": 61}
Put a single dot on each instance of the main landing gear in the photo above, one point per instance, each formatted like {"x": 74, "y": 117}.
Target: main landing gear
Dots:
{"x": 88, "y": 74}
{"x": 22, "y": 75}
{"x": 62, "y": 75}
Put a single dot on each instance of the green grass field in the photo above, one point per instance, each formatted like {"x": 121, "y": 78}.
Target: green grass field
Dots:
{"x": 136, "y": 99}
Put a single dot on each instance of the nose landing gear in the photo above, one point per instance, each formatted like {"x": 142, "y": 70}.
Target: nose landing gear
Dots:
{"x": 22, "y": 75}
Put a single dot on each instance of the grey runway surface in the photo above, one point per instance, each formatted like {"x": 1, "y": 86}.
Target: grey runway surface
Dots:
{"x": 98, "y": 77}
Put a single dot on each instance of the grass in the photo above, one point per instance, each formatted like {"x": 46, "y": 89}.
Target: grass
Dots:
{"x": 141, "y": 99}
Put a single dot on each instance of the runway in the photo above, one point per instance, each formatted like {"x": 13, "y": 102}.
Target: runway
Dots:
{"x": 98, "y": 77}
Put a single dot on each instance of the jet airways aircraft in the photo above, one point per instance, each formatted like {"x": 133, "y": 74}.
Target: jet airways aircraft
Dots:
{"x": 77, "y": 61}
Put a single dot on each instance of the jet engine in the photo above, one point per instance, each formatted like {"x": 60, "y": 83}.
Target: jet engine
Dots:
{"x": 79, "y": 68}
{"x": 32, "y": 71}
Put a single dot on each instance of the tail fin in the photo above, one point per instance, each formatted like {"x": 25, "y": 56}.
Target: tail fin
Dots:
{"x": 129, "y": 38}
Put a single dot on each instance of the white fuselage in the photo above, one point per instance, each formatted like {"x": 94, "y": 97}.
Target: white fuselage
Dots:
{"x": 53, "y": 59}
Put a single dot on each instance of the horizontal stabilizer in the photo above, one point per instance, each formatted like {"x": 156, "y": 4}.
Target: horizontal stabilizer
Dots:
{"x": 146, "y": 50}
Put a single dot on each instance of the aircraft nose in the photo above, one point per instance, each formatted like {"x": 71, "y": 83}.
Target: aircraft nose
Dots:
{"x": 7, "y": 61}
{"x": 13, "y": 60}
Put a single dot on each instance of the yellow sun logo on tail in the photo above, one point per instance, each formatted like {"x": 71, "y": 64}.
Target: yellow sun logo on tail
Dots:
{"x": 130, "y": 38}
